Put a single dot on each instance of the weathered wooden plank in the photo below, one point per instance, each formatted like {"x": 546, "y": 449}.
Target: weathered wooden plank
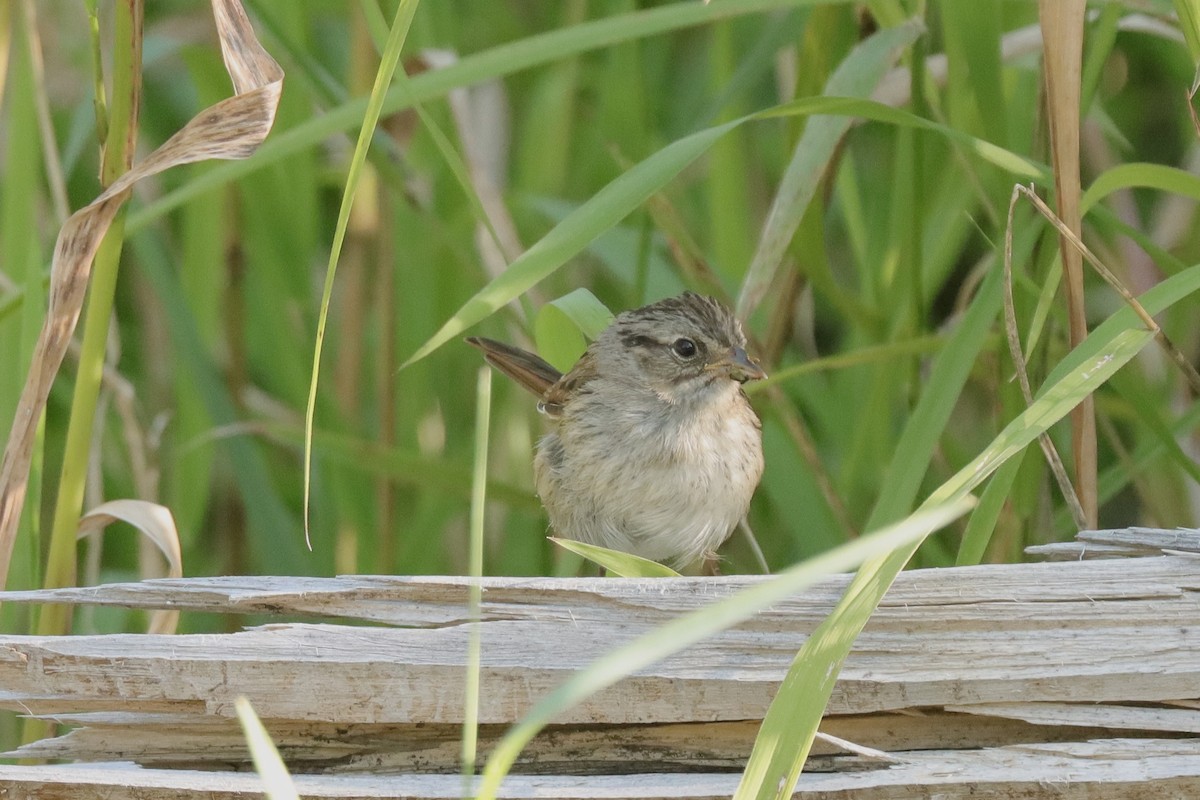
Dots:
{"x": 1076, "y": 551}
{"x": 1121, "y": 543}
{"x": 1117, "y": 769}
{"x": 1179, "y": 540}
{"x": 434, "y": 601}
{"x": 1092, "y": 715}
{"x": 417, "y": 675}
{"x": 181, "y": 740}
{"x": 1056, "y": 632}
{"x": 1047, "y": 655}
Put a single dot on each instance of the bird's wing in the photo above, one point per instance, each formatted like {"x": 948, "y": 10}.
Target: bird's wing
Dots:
{"x": 569, "y": 385}
{"x": 528, "y": 370}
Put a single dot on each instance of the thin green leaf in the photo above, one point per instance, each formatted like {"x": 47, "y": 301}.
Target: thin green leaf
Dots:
{"x": 693, "y": 627}
{"x": 470, "y": 737}
{"x": 1089, "y": 371}
{"x": 974, "y": 32}
{"x": 864, "y": 355}
{"x": 1155, "y": 300}
{"x": 1189, "y": 23}
{"x": 856, "y": 76}
{"x": 587, "y": 312}
{"x": 1141, "y": 175}
{"x": 564, "y": 325}
{"x": 558, "y": 339}
{"x": 914, "y": 450}
{"x": 982, "y": 524}
{"x": 277, "y": 782}
{"x": 626, "y": 565}
{"x": 458, "y": 167}
{"x": 1117, "y": 477}
{"x": 782, "y": 745}
{"x": 1019, "y": 166}
{"x": 787, "y": 731}
{"x": 608, "y": 207}
{"x": 616, "y": 200}
{"x": 506, "y": 59}
{"x": 383, "y": 77}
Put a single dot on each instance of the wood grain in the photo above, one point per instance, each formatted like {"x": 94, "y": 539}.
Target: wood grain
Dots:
{"x": 1072, "y": 678}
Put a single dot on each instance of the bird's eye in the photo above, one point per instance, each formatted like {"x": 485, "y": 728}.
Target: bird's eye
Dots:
{"x": 684, "y": 348}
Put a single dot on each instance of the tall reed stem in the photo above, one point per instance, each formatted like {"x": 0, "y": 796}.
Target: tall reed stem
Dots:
{"x": 117, "y": 158}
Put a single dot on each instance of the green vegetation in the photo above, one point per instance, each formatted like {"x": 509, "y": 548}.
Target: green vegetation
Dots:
{"x": 840, "y": 172}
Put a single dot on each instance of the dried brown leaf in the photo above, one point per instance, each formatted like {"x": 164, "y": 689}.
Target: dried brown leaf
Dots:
{"x": 1062, "y": 24}
{"x": 230, "y": 129}
{"x": 158, "y": 525}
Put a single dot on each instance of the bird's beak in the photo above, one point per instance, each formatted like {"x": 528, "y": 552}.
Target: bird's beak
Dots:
{"x": 741, "y": 367}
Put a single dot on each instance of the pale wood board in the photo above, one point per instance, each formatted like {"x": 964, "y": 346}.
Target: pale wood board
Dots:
{"x": 1028, "y": 680}
{"x": 171, "y": 739}
{"x": 1121, "y": 543}
{"x": 1107, "y": 716}
{"x": 1143, "y": 769}
{"x": 1092, "y": 631}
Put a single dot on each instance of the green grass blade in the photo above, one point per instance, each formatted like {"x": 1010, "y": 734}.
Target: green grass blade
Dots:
{"x": 1155, "y": 300}
{"x": 693, "y": 627}
{"x": 874, "y": 354}
{"x": 1189, "y": 23}
{"x": 949, "y": 373}
{"x": 277, "y": 782}
{"x": 371, "y": 458}
{"x": 608, "y": 207}
{"x": 616, "y": 200}
{"x": 1019, "y": 166}
{"x": 116, "y": 160}
{"x": 383, "y": 77}
{"x": 626, "y": 565}
{"x": 586, "y": 311}
{"x": 979, "y": 530}
{"x": 483, "y": 412}
{"x": 1117, "y": 477}
{"x": 857, "y": 75}
{"x": 564, "y": 325}
{"x": 457, "y": 166}
{"x": 787, "y": 731}
{"x": 1152, "y": 411}
{"x": 1140, "y": 176}
{"x": 730, "y": 235}
{"x": 496, "y": 62}
{"x": 1107, "y": 354}
{"x": 786, "y": 735}
{"x": 21, "y": 261}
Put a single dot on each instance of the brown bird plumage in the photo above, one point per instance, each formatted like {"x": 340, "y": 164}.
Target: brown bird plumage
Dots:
{"x": 655, "y": 448}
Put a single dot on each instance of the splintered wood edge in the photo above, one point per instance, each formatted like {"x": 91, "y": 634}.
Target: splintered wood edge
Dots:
{"x": 1100, "y": 770}
{"x": 1100, "y": 715}
{"x": 1121, "y": 543}
{"x": 434, "y": 601}
{"x": 184, "y": 741}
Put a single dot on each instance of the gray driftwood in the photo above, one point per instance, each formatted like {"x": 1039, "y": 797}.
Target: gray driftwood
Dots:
{"x": 1075, "y": 678}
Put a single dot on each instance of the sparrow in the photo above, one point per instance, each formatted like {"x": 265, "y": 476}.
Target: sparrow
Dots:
{"x": 654, "y": 448}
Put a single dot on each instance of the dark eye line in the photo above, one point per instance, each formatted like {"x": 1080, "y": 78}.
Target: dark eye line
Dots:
{"x": 698, "y": 348}
{"x": 637, "y": 340}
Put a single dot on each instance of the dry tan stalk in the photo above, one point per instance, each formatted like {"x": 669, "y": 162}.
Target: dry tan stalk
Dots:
{"x": 230, "y": 129}
{"x": 1062, "y": 24}
{"x": 1173, "y": 352}
{"x": 1014, "y": 348}
{"x": 1014, "y": 341}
